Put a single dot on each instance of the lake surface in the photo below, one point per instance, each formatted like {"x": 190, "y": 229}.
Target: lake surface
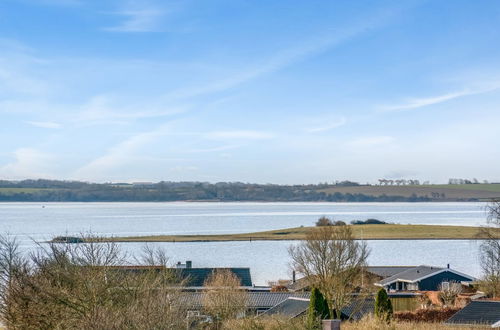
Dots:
{"x": 268, "y": 260}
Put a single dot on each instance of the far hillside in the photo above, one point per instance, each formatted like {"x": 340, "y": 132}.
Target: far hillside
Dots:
{"x": 345, "y": 191}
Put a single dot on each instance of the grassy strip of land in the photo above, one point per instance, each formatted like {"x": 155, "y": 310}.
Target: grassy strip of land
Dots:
{"x": 371, "y": 232}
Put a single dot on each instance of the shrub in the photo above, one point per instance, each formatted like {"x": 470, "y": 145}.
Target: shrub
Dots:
{"x": 339, "y": 223}
{"x": 426, "y": 315}
{"x": 368, "y": 222}
{"x": 324, "y": 221}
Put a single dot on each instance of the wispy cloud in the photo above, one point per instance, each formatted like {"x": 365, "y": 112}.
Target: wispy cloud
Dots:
{"x": 415, "y": 103}
{"x": 101, "y": 109}
{"x": 138, "y": 19}
{"x": 119, "y": 155}
{"x": 212, "y": 149}
{"x": 326, "y": 126}
{"x": 44, "y": 124}
{"x": 371, "y": 141}
{"x": 286, "y": 57}
{"x": 239, "y": 135}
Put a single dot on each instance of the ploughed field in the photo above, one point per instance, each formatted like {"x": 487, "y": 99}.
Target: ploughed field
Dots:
{"x": 368, "y": 232}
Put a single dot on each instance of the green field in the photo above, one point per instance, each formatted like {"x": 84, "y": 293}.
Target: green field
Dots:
{"x": 12, "y": 191}
{"x": 372, "y": 232}
{"x": 448, "y": 192}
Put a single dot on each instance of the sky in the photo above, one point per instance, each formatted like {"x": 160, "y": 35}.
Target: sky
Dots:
{"x": 278, "y": 91}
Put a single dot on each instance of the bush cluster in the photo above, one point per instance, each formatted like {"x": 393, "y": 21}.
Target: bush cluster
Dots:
{"x": 368, "y": 222}
{"x": 324, "y": 221}
{"x": 426, "y": 315}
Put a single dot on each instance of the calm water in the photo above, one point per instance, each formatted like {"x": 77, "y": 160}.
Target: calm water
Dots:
{"x": 268, "y": 260}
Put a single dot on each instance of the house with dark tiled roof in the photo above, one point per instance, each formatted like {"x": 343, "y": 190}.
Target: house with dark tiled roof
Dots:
{"x": 194, "y": 278}
{"x": 422, "y": 278}
{"x": 258, "y": 302}
{"x": 477, "y": 312}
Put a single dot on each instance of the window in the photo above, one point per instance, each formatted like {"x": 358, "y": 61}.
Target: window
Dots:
{"x": 412, "y": 286}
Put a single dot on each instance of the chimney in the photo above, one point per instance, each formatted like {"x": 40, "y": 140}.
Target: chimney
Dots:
{"x": 293, "y": 276}
{"x": 189, "y": 264}
{"x": 448, "y": 266}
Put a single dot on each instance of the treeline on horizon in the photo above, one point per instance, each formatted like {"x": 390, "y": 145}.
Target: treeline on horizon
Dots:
{"x": 76, "y": 191}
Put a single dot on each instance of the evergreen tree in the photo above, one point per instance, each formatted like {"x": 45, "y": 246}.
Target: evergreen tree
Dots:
{"x": 383, "y": 306}
{"x": 318, "y": 309}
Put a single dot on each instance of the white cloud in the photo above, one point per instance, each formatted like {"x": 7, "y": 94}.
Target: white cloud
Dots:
{"x": 44, "y": 124}
{"x": 239, "y": 135}
{"x": 144, "y": 19}
{"x": 28, "y": 163}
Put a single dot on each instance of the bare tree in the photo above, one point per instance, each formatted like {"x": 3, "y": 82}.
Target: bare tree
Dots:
{"x": 224, "y": 298}
{"x": 83, "y": 286}
{"x": 449, "y": 292}
{"x": 331, "y": 260}
{"x": 490, "y": 251}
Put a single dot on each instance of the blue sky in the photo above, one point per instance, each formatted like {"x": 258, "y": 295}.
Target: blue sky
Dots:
{"x": 252, "y": 91}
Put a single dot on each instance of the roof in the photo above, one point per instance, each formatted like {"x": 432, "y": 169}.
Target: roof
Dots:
{"x": 387, "y": 271}
{"x": 478, "y": 312}
{"x": 418, "y": 273}
{"x": 293, "y": 307}
{"x": 197, "y": 276}
{"x": 358, "y": 308}
{"x": 256, "y": 300}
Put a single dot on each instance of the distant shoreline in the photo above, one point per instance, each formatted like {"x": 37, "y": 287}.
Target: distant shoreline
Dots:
{"x": 364, "y": 232}
{"x": 45, "y": 191}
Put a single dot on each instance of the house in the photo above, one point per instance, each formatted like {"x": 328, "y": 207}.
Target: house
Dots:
{"x": 422, "y": 278}
{"x": 372, "y": 274}
{"x": 477, "y": 312}
{"x": 194, "y": 277}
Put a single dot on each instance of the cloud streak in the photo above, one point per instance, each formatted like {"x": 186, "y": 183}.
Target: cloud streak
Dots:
{"x": 416, "y": 103}
{"x": 44, "y": 124}
{"x": 119, "y": 155}
{"x": 285, "y": 58}
{"x": 328, "y": 126}
{"x": 145, "y": 19}
{"x": 239, "y": 135}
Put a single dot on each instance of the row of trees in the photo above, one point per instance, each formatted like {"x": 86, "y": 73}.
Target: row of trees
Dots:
{"x": 465, "y": 181}
{"x": 60, "y": 191}
{"x": 400, "y": 182}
